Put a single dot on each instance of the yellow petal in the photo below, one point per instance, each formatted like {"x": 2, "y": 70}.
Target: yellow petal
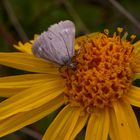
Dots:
{"x": 133, "y": 96}
{"x": 63, "y": 124}
{"x": 20, "y": 120}
{"x": 113, "y": 130}
{"x": 26, "y": 48}
{"x": 27, "y": 62}
{"x": 22, "y": 84}
{"x": 13, "y": 85}
{"x": 26, "y": 77}
{"x": 79, "y": 39}
{"x": 91, "y": 35}
{"x": 137, "y": 67}
{"x": 31, "y": 98}
{"x": 137, "y": 47}
{"x": 69, "y": 126}
{"x": 136, "y": 76}
{"x": 24, "y": 81}
{"x": 98, "y": 125}
{"x": 10, "y": 92}
{"x": 126, "y": 121}
{"x": 79, "y": 125}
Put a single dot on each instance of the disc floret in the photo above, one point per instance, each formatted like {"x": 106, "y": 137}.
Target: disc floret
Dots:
{"x": 104, "y": 71}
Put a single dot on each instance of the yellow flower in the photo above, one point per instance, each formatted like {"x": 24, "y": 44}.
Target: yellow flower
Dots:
{"x": 97, "y": 94}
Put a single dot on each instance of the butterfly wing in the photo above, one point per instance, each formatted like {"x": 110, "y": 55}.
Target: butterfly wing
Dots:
{"x": 57, "y": 44}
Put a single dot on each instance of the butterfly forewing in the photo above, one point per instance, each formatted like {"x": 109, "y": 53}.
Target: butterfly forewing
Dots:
{"x": 57, "y": 44}
{"x": 67, "y": 34}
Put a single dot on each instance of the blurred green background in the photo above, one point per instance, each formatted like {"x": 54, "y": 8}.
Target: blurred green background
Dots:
{"x": 20, "y": 20}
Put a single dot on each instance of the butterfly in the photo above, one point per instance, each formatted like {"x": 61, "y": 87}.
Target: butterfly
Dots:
{"x": 57, "y": 43}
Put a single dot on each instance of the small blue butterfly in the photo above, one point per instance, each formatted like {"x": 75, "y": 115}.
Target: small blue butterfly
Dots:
{"x": 57, "y": 44}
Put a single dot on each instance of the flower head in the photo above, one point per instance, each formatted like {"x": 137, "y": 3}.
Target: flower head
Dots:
{"x": 105, "y": 67}
{"x": 97, "y": 93}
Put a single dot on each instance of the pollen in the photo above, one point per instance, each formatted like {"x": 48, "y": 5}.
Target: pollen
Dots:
{"x": 104, "y": 70}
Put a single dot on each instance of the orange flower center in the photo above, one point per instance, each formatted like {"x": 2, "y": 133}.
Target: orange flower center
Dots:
{"x": 105, "y": 66}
